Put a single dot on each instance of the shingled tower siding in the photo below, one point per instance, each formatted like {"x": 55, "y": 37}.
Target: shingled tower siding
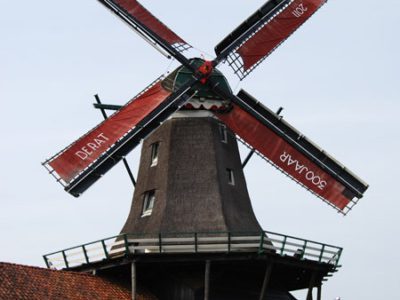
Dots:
{"x": 197, "y": 181}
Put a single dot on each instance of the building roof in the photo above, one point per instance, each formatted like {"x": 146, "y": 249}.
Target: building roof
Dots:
{"x": 25, "y": 282}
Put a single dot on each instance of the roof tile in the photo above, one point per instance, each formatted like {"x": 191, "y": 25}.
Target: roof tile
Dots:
{"x": 34, "y": 283}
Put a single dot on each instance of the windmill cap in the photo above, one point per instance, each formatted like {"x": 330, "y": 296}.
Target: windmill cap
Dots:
{"x": 182, "y": 74}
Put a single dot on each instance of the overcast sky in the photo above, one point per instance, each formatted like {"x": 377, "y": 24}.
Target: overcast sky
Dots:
{"x": 337, "y": 78}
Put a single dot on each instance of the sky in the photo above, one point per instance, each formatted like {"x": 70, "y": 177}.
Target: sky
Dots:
{"x": 337, "y": 78}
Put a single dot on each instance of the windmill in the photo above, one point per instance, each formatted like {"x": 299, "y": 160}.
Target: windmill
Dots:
{"x": 190, "y": 175}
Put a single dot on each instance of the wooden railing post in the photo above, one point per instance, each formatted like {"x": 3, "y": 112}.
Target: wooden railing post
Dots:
{"x": 283, "y": 245}
{"x": 304, "y": 249}
{"x": 159, "y": 242}
{"x": 207, "y": 281}
{"x": 229, "y": 242}
{"x": 46, "y": 261}
{"x": 126, "y": 245}
{"x": 85, "y": 254}
{"x": 133, "y": 280}
{"x": 319, "y": 296}
{"x": 311, "y": 286}
{"x": 65, "y": 259}
{"x": 105, "y": 249}
{"x": 261, "y": 247}
{"x": 266, "y": 281}
{"x": 338, "y": 257}
{"x": 322, "y": 253}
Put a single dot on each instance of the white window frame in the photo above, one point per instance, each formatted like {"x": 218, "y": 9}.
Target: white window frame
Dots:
{"x": 155, "y": 149}
{"x": 149, "y": 199}
{"x": 231, "y": 176}
{"x": 223, "y": 133}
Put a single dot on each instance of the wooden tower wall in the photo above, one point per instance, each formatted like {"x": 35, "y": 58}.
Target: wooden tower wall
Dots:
{"x": 191, "y": 182}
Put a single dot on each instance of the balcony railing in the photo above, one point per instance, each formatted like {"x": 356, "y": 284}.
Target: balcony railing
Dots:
{"x": 221, "y": 242}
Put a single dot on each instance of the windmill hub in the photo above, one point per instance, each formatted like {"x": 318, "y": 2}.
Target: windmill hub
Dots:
{"x": 204, "y": 98}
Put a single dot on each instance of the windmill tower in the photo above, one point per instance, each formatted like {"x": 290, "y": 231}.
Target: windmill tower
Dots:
{"x": 191, "y": 212}
{"x": 190, "y": 176}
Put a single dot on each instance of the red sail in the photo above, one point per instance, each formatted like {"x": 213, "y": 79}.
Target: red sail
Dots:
{"x": 91, "y": 146}
{"x": 276, "y": 31}
{"x": 137, "y": 11}
{"x": 285, "y": 156}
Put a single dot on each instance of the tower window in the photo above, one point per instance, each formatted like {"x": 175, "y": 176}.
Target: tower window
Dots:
{"x": 154, "y": 154}
{"x": 223, "y": 133}
{"x": 231, "y": 177}
{"x": 148, "y": 202}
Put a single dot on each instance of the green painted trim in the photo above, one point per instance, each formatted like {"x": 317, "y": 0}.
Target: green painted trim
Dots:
{"x": 338, "y": 258}
{"x": 304, "y": 249}
{"x": 229, "y": 242}
{"x": 160, "y": 242}
{"x": 195, "y": 243}
{"x": 322, "y": 253}
{"x": 46, "y": 261}
{"x": 85, "y": 253}
{"x": 105, "y": 249}
{"x": 261, "y": 247}
{"x": 264, "y": 235}
{"x": 126, "y": 245}
{"x": 283, "y": 245}
{"x": 65, "y": 259}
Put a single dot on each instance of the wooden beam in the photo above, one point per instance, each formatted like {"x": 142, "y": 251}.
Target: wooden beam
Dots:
{"x": 319, "y": 296}
{"x": 133, "y": 280}
{"x": 207, "y": 281}
{"x": 103, "y": 108}
{"x": 247, "y": 159}
{"x": 266, "y": 281}
{"x": 311, "y": 286}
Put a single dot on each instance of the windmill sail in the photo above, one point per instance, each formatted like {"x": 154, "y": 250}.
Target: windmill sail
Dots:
{"x": 132, "y": 12}
{"x": 292, "y": 153}
{"x": 257, "y": 37}
{"x": 83, "y": 162}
